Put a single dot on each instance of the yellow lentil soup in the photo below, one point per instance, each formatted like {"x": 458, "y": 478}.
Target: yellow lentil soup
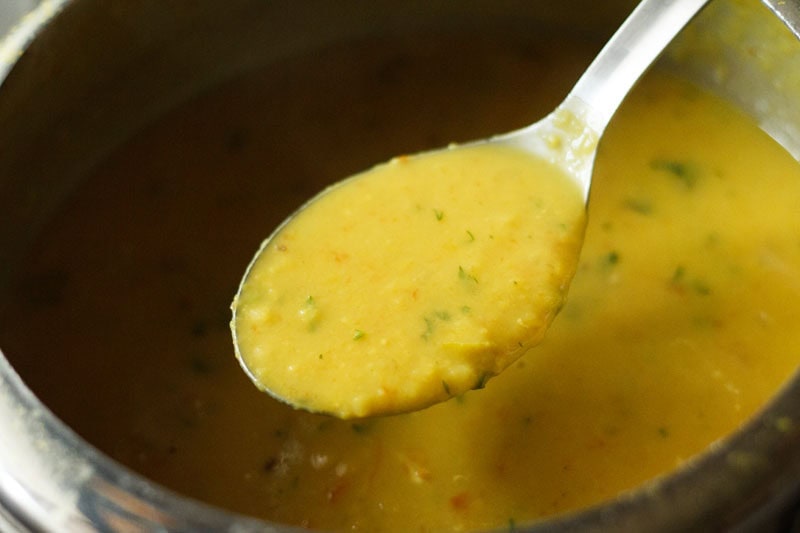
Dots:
{"x": 679, "y": 325}
{"x": 412, "y": 282}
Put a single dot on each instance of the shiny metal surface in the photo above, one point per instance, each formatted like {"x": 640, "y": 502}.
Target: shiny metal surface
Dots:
{"x": 11, "y": 11}
{"x": 597, "y": 95}
{"x": 52, "y": 480}
{"x": 788, "y": 11}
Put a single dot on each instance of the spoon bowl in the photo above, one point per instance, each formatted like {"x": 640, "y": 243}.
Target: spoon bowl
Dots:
{"x": 345, "y": 310}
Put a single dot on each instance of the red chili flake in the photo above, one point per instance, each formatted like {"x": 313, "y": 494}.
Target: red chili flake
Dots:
{"x": 337, "y": 491}
{"x": 460, "y": 501}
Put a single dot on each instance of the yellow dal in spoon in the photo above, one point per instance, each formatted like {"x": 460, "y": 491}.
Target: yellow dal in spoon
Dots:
{"x": 411, "y": 283}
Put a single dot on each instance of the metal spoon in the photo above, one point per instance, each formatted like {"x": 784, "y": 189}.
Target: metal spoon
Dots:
{"x": 568, "y": 137}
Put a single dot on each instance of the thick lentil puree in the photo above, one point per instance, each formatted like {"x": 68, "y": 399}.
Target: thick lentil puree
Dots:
{"x": 680, "y": 324}
{"x": 411, "y": 283}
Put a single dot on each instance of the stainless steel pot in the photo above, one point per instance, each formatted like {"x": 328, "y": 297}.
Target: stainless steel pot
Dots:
{"x": 80, "y": 76}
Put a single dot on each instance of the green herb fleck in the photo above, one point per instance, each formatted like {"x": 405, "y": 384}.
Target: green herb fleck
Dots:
{"x": 681, "y": 283}
{"x": 309, "y": 313}
{"x": 609, "y": 260}
{"x": 358, "y": 335}
{"x": 465, "y": 309}
{"x": 361, "y": 427}
{"x": 701, "y": 287}
{"x": 482, "y": 379}
{"x": 439, "y": 214}
{"x": 446, "y": 387}
{"x": 679, "y": 274}
{"x": 430, "y": 327}
{"x": 684, "y": 172}
{"x": 466, "y": 276}
{"x": 470, "y": 236}
{"x": 643, "y": 207}
{"x": 431, "y": 321}
{"x": 663, "y": 432}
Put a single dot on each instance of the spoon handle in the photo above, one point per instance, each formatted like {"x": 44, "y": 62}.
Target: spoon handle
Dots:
{"x": 635, "y": 45}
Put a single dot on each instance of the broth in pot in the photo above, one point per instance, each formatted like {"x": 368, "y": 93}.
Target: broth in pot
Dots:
{"x": 679, "y": 324}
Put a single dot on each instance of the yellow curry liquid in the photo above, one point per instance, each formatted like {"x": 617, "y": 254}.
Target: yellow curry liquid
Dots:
{"x": 412, "y": 282}
{"x": 680, "y": 322}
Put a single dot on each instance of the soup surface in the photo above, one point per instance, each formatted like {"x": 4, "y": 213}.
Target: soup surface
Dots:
{"x": 412, "y": 282}
{"x": 679, "y": 325}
